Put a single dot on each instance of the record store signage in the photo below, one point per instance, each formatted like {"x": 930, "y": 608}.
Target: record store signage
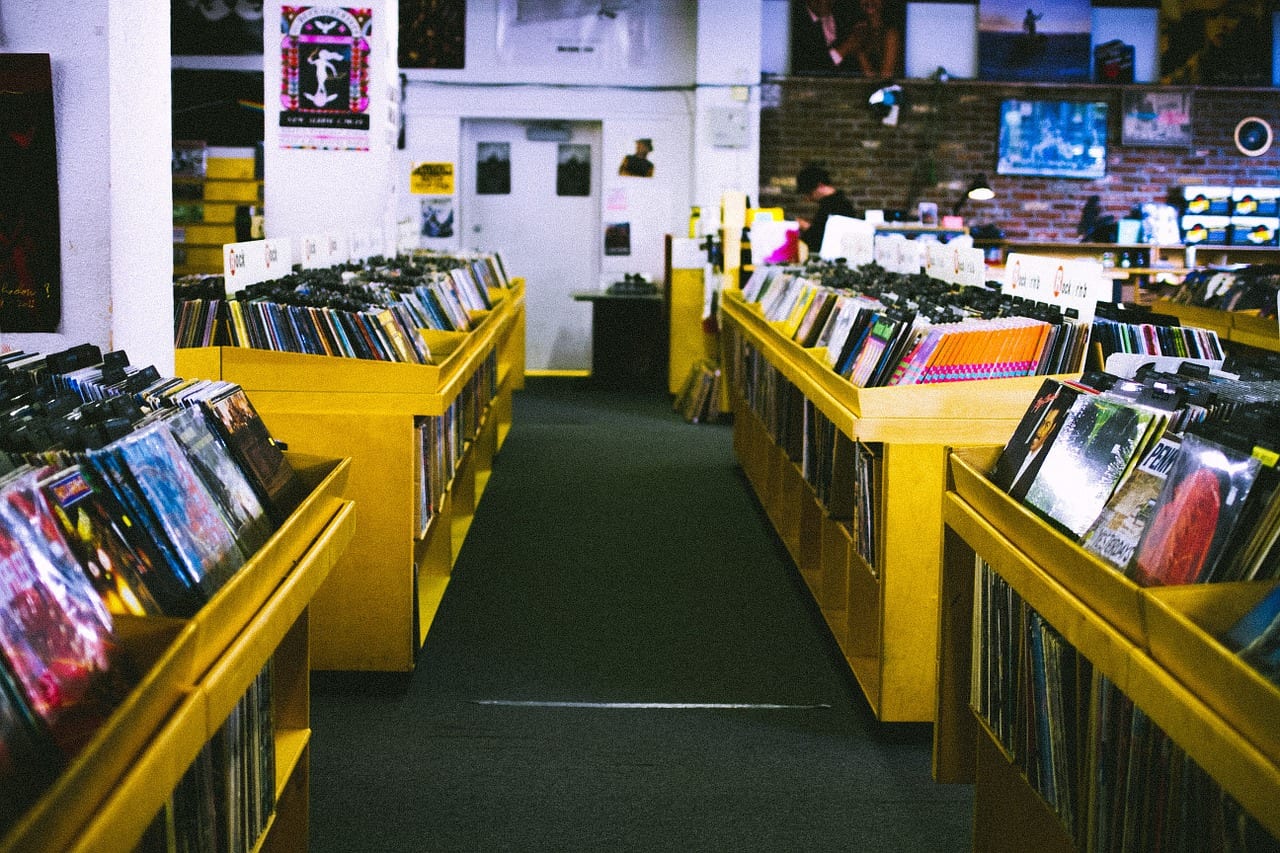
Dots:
{"x": 254, "y": 261}
{"x": 969, "y": 266}
{"x": 1067, "y": 284}
{"x": 939, "y": 262}
{"x": 320, "y": 251}
{"x": 324, "y": 86}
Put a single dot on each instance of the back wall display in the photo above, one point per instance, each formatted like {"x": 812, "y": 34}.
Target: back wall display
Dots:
{"x": 857, "y": 38}
{"x": 1216, "y": 42}
{"x": 1050, "y": 42}
{"x": 30, "y": 250}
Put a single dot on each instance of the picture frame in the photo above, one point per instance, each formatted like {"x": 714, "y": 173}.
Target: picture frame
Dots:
{"x": 1053, "y": 138}
{"x": 1156, "y": 117}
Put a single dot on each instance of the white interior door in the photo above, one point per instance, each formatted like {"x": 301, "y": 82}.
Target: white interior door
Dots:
{"x": 553, "y": 241}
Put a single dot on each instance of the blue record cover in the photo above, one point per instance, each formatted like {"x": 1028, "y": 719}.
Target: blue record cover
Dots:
{"x": 171, "y": 498}
{"x": 222, "y": 475}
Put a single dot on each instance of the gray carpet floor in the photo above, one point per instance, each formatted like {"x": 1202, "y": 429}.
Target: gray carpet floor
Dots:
{"x": 619, "y": 597}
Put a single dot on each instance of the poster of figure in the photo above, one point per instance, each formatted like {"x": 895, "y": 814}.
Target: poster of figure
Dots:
{"x": 573, "y": 169}
{"x": 437, "y": 217}
{"x": 860, "y": 38}
{"x": 215, "y": 27}
{"x": 638, "y": 164}
{"x": 30, "y": 243}
{"x": 1050, "y": 42}
{"x": 433, "y": 33}
{"x": 493, "y": 168}
{"x": 1156, "y": 117}
{"x": 325, "y": 86}
{"x": 1216, "y": 42}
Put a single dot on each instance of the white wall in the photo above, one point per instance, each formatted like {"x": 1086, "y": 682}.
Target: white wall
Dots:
{"x": 313, "y": 192}
{"x": 638, "y": 81}
{"x": 110, "y": 62}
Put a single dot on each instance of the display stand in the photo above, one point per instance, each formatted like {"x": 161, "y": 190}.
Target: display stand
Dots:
{"x": 1156, "y": 645}
{"x": 194, "y": 672}
{"x": 883, "y": 616}
{"x": 374, "y": 613}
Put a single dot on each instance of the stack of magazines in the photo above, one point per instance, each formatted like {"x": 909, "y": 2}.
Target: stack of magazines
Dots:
{"x": 122, "y": 492}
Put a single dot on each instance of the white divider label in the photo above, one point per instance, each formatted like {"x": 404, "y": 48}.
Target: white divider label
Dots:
{"x": 848, "y": 238}
{"x": 940, "y": 262}
{"x": 243, "y": 264}
{"x": 1067, "y": 284}
{"x": 911, "y": 256}
{"x": 970, "y": 267}
{"x": 277, "y": 256}
{"x": 323, "y": 250}
{"x": 357, "y": 250}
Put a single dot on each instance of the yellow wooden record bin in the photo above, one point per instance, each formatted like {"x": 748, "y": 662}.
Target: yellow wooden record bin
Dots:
{"x": 192, "y": 673}
{"x": 883, "y": 616}
{"x": 1157, "y": 645}
{"x": 376, "y": 609}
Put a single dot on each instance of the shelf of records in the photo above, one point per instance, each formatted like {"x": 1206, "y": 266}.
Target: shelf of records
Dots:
{"x": 422, "y": 439}
{"x": 414, "y": 308}
{"x": 1124, "y": 622}
{"x": 160, "y": 550}
{"x": 853, "y": 475}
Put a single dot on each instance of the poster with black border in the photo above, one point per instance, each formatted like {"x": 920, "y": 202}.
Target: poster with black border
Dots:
{"x": 324, "y": 90}
{"x": 30, "y": 236}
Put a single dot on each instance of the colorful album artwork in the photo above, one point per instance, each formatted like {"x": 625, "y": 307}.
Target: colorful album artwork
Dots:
{"x": 324, "y": 90}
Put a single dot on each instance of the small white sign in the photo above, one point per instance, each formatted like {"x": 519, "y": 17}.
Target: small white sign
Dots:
{"x": 323, "y": 250}
{"x": 243, "y": 264}
{"x": 848, "y": 238}
{"x": 277, "y": 258}
{"x": 1056, "y": 281}
{"x": 939, "y": 262}
{"x": 970, "y": 267}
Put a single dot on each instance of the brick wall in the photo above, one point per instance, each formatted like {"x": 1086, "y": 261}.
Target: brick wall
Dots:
{"x": 828, "y": 121}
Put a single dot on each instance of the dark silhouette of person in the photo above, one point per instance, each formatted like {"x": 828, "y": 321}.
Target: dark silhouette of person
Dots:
{"x": 814, "y": 183}
{"x": 638, "y": 165}
{"x": 1029, "y": 22}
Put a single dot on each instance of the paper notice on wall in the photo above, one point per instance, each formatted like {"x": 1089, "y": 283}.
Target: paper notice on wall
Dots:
{"x": 431, "y": 179}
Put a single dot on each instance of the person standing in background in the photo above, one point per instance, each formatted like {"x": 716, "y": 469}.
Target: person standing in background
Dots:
{"x": 814, "y": 183}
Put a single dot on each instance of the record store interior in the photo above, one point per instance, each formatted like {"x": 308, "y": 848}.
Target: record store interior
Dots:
{"x": 630, "y": 425}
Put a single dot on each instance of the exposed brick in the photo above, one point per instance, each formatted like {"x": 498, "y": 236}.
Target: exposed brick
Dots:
{"x": 828, "y": 120}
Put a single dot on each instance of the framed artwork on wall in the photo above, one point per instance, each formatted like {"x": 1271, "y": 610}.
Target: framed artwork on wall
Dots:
{"x": 1048, "y": 42}
{"x": 1156, "y": 117}
{"x": 1053, "y": 138}
{"x": 856, "y": 38}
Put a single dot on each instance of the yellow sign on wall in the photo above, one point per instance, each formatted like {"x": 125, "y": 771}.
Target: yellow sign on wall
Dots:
{"x": 431, "y": 179}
